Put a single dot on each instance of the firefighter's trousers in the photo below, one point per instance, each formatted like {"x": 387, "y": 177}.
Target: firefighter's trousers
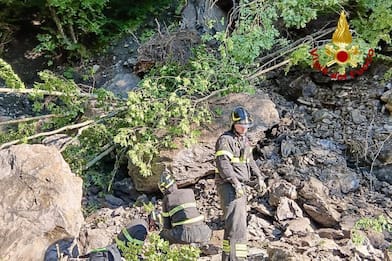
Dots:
{"x": 235, "y": 234}
{"x": 187, "y": 234}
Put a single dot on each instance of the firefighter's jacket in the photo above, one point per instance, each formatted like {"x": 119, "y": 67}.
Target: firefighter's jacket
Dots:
{"x": 135, "y": 233}
{"x": 234, "y": 159}
{"x": 179, "y": 208}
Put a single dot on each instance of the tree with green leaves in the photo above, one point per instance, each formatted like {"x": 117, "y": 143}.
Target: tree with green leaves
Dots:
{"x": 170, "y": 103}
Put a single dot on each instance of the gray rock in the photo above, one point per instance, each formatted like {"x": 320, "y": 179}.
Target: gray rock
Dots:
{"x": 122, "y": 83}
{"x": 383, "y": 173}
{"x": 280, "y": 190}
{"x": 300, "y": 226}
{"x": 357, "y": 117}
{"x": 385, "y": 156}
{"x": 57, "y": 140}
{"x": 330, "y": 233}
{"x": 288, "y": 209}
{"x": 113, "y": 200}
{"x": 40, "y": 201}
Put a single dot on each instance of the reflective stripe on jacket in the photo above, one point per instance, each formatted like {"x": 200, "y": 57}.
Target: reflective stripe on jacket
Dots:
{"x": 179, "y": 207}
{"x": 129, "y": 238}
{"x": 234, "y": 158}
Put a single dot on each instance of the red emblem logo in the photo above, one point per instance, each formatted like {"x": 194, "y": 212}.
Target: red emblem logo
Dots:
{"x": 342, "y": 54}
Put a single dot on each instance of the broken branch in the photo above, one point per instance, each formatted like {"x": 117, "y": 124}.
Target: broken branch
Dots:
{"x": 54, "y": 93}
{"x": 10, "y": 122}
{"x": 48, "y": 133}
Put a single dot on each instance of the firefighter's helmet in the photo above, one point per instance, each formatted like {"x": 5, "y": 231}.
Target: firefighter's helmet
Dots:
{"x": 166, "y": 181}
{"x": 241, "y": 116}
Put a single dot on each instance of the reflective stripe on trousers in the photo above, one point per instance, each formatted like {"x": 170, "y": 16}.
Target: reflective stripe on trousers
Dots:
{"x": 241, "y": 250}
{"x": 234, "y": 211}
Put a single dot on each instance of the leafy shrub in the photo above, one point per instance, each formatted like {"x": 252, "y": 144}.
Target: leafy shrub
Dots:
{"x": 157, "y": 249}
{"x": 69, "y": 103}
{"x": 374, "y": 21}
{"x": 377, "y": 224}
{"x": 297, "y": 13}
{"x": 254, "y": 33}
{"x": 11, "y": 79}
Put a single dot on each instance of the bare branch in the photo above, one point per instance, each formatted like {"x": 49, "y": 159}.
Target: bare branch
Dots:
{"x": 42, "y": 134}
{"x": 378, "y": 152}
{"x": 112, "y": 114}
{"x": 116, "y": 167}
{"x": 29, "y": 119}
{"x": 53, "y": 93}
{"x": 100, "y": 156}
{"x": 256, "y": 74}
{"x": 281, "y": 53}
{"x": 72, "y": 33}
{"x": 212, "y": 94}
{"x": 57, "y": 21}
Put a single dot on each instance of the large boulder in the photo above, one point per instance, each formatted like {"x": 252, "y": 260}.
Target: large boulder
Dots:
{"x": 192, "y": 163}
{"x": 40, "y": 201}
{"x": 315, "y": 197}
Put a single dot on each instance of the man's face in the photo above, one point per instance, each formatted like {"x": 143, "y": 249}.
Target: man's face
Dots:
{"x": 240, "y": 128}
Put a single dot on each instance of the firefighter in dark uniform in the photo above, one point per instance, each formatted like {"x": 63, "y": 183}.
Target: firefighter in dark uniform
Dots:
{"x": 235, "y": 164}
{"x": 134, "y": 233}
{"x": 182, "y": 222}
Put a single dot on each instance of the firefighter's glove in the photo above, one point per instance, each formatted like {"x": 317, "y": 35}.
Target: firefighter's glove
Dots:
{"x": 239, "y": 191}
{"x": 155, "y": 221}
{"x": 261, "y": 185}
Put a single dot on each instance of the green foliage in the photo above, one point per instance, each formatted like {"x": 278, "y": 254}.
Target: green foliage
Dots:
{"x": 167, "y": 105}
{"x": 97, "y": 177}
{"x": 153, "y": 120}
{"x": 388, "y": 75}
{"x": 254, "y": 33}
{"x": 136, "y": 14}
{"x": 83, "y": 15}
{"x": 374, "y": 21}
{"x": 90, "y": 208}
{"x": 21, "y": 131}
{"x": 356, "y": 237}
{"x": 75, "y": 22}
{"x": 74, "y": 28}
{"x": 157, "y": 249}
{"x": 6, "y": 32}
{"x": 299, "y": 12}
{"x": 378, "y": 224}
{"x": 180, "y": 5}
{"x": 11, "y": 79}
{"x": 69, "y": 105}
{"x": 91, "y": 142}
{"x": 146, "y": 35}
{"x": 301, "y": 57}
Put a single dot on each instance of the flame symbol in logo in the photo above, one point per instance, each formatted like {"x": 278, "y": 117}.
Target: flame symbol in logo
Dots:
{"x": 341, "y": 39}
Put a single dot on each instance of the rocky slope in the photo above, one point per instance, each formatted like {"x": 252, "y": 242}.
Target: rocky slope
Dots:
{"x": 328, "y": 161}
